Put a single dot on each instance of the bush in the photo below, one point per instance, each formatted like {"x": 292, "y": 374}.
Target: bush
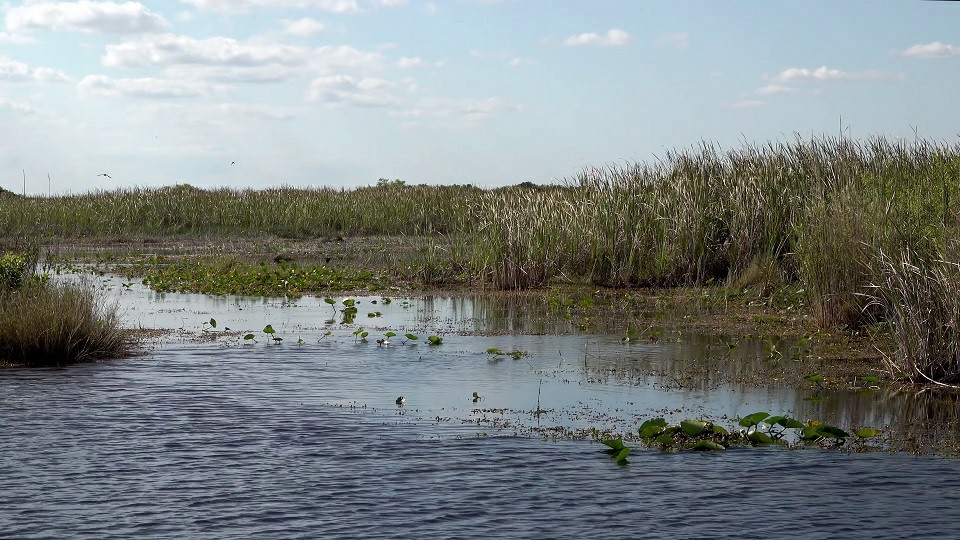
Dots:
{"x": 14, "y": 270}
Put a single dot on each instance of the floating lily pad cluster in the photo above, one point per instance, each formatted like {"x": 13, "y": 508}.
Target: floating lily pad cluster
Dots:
{"x": 757, "y": 429}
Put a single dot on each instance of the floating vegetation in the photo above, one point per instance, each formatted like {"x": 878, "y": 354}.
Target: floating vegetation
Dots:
{"x": 757, "y": 429}
{"x": 618, "y": 452}
{"x": 217, "y": 277}
{"x": 513, "y": 353}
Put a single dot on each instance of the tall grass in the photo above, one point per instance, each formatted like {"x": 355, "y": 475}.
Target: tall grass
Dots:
{"x": 44, "y": 324}
{"x": 288, "y": 212}
{"x": 922, "y": 303}
{"x": 817, "y": 212}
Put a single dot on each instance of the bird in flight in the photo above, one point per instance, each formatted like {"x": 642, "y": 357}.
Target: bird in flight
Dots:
{"x": 233, "y": 162}
{"x": 105, "y": 174}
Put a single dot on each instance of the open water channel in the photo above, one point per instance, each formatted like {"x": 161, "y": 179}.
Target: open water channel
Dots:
{"x": 208, "y": 435}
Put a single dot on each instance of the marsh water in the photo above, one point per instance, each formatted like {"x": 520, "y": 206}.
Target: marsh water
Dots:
{"x": 208, "y": 435}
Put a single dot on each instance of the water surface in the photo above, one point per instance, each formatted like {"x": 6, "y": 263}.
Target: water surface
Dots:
{"x": 217, "y": 439}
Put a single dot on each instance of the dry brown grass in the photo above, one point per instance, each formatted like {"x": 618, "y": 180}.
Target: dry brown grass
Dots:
{"x": 55, "y": 324}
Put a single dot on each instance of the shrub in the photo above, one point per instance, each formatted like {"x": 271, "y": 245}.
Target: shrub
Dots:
{"x": 14, "y": 270}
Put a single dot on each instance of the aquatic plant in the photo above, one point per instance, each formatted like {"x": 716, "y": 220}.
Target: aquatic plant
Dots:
{"x": 513, "y": 353}
{"x": 760, "y": 428}
{"x": 617, "y": 450}
{"x": 269, "y": 331}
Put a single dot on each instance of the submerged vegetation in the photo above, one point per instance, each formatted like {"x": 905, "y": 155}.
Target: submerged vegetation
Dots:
{"x": 867, "y": 231}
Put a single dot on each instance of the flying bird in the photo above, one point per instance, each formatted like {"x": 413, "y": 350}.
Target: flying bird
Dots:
{"x": 105, "y": 174}
{"x": 233, "y": 162}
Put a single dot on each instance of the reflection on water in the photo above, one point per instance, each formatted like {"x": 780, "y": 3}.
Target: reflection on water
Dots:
{"x": 223, "y": 439}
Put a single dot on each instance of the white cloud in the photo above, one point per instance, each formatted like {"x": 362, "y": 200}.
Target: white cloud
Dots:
{"x": 676, "y": 40}
{"x": 409, "y": 62}
{"x": 265, "y": 112}
{"x": 347, "y": 90}
{"x": 227, "y": 59}
{"x": 823, "y": 73}
{"x": 613, "y": 38}
{"x": 169, "y": 49}
{"x": 17, "y": 107}
{"x": 773, "y": 89}
{"x": 147, "y": 87}
{"x": 931, "y": 50}
{"x": 464, "y": 112}
{"x": 86, "y": 16}
{"x": 330, "y": 6}
{"x": 304, "y": 27}
{"x": 11, "y": 70}
{"x": 746, "y": 104}
{"x": 16, "y": 39}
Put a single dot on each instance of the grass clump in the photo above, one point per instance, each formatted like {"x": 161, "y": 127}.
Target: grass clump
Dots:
{"x": 922, "y": 300}
{"x": 54, "y": 324}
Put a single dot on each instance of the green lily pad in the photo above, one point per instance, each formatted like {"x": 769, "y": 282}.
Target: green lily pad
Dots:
{"x": 753, "y": 419}
{"x": 652, "y": 428}
{"x": 707, "y": 446}
{"x": 693, "y": 427}
{"x": 616, "y": 444}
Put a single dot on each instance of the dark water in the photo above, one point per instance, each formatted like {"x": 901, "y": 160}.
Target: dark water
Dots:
{"x": 207, "y": 442}
{"x": 223, "y": 440}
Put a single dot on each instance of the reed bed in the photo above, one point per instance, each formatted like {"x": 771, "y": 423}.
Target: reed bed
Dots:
{"x": 285, "y": 212}
{"x": 922, "y": 303}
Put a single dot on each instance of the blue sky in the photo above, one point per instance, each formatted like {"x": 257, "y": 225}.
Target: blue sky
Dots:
{"x": 489, "y": 92}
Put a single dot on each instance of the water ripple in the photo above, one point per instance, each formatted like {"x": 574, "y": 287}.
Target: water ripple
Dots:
{"x": 211, "y": 443}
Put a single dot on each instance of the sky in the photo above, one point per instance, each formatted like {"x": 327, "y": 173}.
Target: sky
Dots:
{"x": 259, "y": 93}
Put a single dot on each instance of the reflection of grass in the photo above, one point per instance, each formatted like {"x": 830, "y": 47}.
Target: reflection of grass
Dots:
{"x": 45, "y": 324}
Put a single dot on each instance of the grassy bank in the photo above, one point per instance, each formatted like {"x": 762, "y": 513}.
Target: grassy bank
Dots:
{"x": 54, "y": 324}
{"x": 817, "y": 215}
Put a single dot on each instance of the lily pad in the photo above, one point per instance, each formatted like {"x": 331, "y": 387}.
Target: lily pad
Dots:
{"x": 707, "y": 446}
{"x": 693, "y": 427}
{"x": 753, "y": 419}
